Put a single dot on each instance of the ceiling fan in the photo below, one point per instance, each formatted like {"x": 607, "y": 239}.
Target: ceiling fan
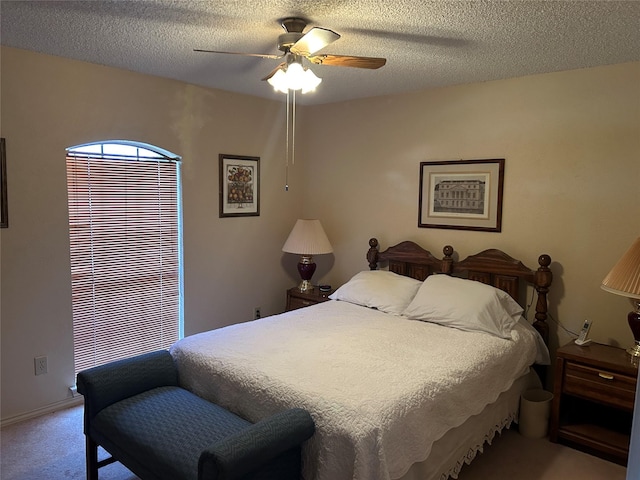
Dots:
{"x": 296, "y": 45}
{"x": 290, "y": 75}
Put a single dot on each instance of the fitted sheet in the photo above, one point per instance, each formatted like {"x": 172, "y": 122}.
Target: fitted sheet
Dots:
{"x": 381, "y": 388}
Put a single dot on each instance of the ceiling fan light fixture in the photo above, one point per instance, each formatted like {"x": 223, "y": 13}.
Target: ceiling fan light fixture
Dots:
{"x": 279, "y": 81}
{"x": 294, "y": 77}
{"x": 311, "y": 81}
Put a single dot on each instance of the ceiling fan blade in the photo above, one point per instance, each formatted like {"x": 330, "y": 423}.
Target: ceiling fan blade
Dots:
{"x": 260, "y": 55}
{"x": 273, "y": 72}
{"x": 348, "y": 61}
{"x": 315, "y": 39}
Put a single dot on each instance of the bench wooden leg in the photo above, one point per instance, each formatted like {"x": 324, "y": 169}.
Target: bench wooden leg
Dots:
{"x": 92, "y": 459}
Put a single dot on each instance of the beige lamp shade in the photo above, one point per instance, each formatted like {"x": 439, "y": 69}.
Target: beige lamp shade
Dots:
{"x": 307, "y": 238}
{"x": 624, "y": 277}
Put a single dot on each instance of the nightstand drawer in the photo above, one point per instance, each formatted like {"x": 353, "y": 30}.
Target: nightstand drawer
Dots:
{"x": 601, "y": 385}
{"x": 297, "y": 299}
{"x": 295, "y": 303}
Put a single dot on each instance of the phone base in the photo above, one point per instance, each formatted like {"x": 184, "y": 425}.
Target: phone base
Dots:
{"x": 582, "y": 343}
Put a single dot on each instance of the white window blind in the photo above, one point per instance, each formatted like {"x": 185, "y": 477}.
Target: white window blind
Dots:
{"x": 125, "y": 254}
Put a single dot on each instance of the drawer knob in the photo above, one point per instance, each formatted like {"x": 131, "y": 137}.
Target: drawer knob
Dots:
{"x": 606, "y": 376}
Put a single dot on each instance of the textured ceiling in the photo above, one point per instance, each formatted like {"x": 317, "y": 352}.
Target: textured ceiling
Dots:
{"x": 426, "y": 43}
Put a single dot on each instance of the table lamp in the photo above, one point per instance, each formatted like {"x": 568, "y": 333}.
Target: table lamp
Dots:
{"x": 307, "y": 239}
{"x": 624, "y": 279}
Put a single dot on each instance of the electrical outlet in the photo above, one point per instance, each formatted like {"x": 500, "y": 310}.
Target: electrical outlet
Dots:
{"x": 256, "y": 313}
{"x": 40, "y": 364}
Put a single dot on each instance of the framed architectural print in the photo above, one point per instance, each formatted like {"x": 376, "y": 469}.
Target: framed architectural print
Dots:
{"x": 4, "y": 210}
{"x": 461, "y": 194}
{"x": 239, "y": 186}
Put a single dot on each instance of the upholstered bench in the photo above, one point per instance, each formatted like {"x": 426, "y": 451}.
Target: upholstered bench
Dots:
{"x": 136, "y": 410}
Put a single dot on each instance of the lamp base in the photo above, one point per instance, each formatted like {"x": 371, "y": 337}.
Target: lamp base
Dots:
{"x": 305, "y": 286}
{"x": 635, "y": 350}
{"x": 634, "y": 323}
{"x": 306, "y": 269}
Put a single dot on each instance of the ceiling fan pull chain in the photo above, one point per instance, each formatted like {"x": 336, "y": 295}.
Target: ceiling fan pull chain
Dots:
{"x": 293, "y": 131}
{"x": 290, "y": 150}
{"x": 286, "y": 171}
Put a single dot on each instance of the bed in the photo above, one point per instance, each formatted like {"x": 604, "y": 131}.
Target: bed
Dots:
{"x": 412, "y": 367}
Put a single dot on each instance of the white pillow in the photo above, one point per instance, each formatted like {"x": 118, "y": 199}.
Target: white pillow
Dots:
{"x": 381, "y": 289}
{"x": 465, "y": 304}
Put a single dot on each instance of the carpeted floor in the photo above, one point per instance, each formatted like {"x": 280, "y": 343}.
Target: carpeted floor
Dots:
{"x": 51, "y": 447}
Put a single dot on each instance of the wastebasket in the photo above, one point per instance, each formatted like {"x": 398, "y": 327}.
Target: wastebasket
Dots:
{"x": 535, "y": 407}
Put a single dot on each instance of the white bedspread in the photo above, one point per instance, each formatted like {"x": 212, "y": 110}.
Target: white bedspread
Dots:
{"x": 381, "y": 388}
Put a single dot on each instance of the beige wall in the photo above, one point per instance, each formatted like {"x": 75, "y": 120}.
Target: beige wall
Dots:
{"x": 570, "y": 140}
{"x": 230, "y": 265}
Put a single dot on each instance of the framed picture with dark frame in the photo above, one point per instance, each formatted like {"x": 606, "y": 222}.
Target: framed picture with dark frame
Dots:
{"x": 239, "y": 186}
{"x": 461, "y": 194}
{"x": 4, "y": 210}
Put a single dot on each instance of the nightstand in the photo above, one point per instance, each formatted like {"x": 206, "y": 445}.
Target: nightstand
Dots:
{"x": 594, "y": 393}
{"x": 297, "y": 299}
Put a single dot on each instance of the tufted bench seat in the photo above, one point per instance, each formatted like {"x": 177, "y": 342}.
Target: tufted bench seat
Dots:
{"x": 137, "y": 412}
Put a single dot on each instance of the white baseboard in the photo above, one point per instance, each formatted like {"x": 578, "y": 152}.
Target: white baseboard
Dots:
{"x": 54, "y": 407}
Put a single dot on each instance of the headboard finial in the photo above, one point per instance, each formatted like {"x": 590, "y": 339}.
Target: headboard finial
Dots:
{"x": 544, "y": 260}
{"x": 447, "y": 261}
{"x": 372, "y": 254}
{"x": 543, "y": 279}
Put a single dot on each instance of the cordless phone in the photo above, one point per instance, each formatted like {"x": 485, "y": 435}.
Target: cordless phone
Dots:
{"x": 582, "y": 338}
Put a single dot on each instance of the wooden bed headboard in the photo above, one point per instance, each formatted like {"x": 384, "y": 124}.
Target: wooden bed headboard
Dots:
{"x": 493, "y": 267}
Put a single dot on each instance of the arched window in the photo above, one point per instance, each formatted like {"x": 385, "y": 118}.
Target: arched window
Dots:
{"x": 126, "y": 250}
